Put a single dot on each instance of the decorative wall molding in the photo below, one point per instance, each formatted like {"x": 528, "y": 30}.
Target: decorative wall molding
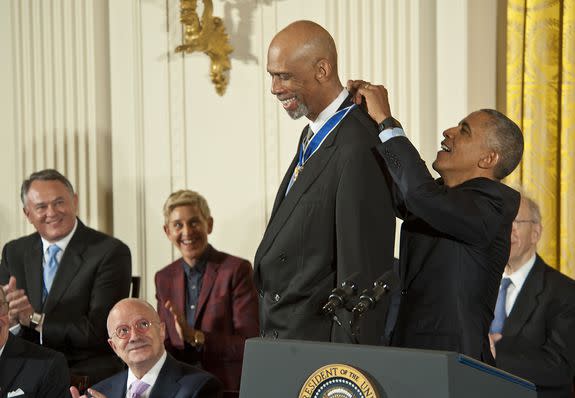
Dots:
{"x": 96, "y": 90}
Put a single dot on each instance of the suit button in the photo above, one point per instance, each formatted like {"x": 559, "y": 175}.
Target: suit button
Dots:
{"x": 261, "y": 293}
{"x": 283, "y": 258}
{"x": 403, "y": 292}
{"x": 277, "y": 297}
{"x": 276, "y": 334}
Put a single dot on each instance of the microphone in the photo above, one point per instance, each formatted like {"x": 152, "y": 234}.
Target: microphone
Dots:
{"x": 369, "y": 297}
{"x": 340, "y": 295}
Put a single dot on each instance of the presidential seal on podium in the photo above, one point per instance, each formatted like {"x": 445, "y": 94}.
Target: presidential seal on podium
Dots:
{"x": 338, "y": 381}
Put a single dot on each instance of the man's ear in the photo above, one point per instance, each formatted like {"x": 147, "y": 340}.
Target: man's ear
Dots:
{"x": 536, "y": 233}
{"x": 167, "y": 230}
{"x": 489, "y": 160}
{"x": 210, "y": 225}
{"x": 111, "y": 343}
{"x": 323, "y": 70}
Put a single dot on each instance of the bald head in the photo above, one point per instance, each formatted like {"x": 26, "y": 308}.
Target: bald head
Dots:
{"x": 302, "y": 61}
{"x": 306, "y": 41}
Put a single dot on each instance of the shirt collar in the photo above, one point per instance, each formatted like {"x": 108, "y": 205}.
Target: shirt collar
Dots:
{"x": 149, "y": 377}
{"x": 62, "y": 243}
{"x": 328, "y": 112}
{"x": 519, "y": 276}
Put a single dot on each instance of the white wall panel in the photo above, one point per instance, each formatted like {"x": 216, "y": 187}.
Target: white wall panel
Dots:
{"x": 96, "y": 90}
{"x": 52, "y": 97}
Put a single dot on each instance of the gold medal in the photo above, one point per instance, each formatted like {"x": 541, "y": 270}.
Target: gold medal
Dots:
{"x": 296, "y": 172}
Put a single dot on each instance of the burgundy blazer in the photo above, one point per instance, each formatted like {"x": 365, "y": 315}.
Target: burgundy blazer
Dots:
{"x": 227, "y": 313}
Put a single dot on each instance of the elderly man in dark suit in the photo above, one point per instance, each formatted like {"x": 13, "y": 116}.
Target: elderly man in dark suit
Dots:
{"x": 26, "y": 369}
{"x": 63, "y": 280}
{"x": 533, "y": 331}
{"x": 455, "y": 237}
{"x": 137, "y": 337}
{"x": 332, "y": 216}
{"x": 211, "y": 294}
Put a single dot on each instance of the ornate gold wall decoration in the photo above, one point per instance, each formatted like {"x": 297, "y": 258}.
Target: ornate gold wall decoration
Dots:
{"x": 208, "y": 36}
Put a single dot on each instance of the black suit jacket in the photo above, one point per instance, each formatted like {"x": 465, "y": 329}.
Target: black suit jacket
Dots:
{"x": 454, "y": 245}
{"x": 94, "y": 273}
{"x": 176, "y": 380}
{"x": 538, "y": 340}
{"x": 335, "y": 221}
{"x": 37, "y": 371}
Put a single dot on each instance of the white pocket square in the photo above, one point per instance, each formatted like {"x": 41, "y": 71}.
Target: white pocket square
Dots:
{"x": 15, "y": 393}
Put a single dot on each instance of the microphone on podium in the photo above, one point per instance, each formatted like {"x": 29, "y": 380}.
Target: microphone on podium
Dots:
{"x": 340, "y": 295}
{"x": 369, "y": 297}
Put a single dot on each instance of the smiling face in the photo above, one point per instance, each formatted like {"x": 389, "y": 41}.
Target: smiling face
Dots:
{"x": 188, "y": 229}
{"x": 465, "y": 153}
{"x": 51, "y": 208}
{"x": 293, "y": 81}
{"x": 140, "y": 350}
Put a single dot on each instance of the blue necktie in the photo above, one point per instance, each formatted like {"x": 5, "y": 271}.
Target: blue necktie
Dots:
{"x": 50, "y": 268}
{"x": 500, "y": 315}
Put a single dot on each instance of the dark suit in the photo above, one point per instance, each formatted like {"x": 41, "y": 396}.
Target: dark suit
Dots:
{"x": 336, "y": 220}
{"x": 538, "y": 340}
{"x": 176, "y": 380}
{"x": 227, "y": 313}
{"x": 455, "y": 243}
{"x": 37, "y": 371}
{"x": 94, "y": 273}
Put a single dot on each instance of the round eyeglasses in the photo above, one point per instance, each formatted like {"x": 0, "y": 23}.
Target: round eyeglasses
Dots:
{"x": 123, "y": 331}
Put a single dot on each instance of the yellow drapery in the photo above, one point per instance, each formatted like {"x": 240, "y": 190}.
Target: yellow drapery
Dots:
{"x": 541, "y": 100}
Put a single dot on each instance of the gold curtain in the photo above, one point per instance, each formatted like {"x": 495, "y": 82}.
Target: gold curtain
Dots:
{"x": 541, "y": 100}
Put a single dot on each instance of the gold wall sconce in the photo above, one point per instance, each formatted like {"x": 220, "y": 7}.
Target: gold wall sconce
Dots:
{"x": 208, "y": 36}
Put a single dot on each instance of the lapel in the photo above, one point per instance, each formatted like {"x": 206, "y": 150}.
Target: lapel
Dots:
{"x": 68, "y": 268}
{"x": 527, "y": 300}
{"x": 118, "y": 385}
{"x": 34, "y": 273}
{"x": 284, "y": 206}
{"x": 210, "y": 275}
{"x": 11, "y": 362}
{"x": 167, "y": 385}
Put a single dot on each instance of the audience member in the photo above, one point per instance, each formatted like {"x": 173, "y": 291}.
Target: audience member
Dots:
{"x": 332, "y": 218}
{"x": 27, "y": 369}
{"x": 62, "y": 280}
{"x": 206, "y": 298}
{"x": 455, "y": 237}
{"x": 533, "y": 331}
{"x": 137, "y": 337}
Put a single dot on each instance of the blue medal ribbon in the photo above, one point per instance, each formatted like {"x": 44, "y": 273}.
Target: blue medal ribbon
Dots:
{"x": 316, "y": 141}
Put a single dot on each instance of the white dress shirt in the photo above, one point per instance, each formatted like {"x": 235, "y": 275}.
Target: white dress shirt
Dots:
{"x": 517, "y": 281}
{"x": 150, "y": 377}
{"x": 328, "y": 112}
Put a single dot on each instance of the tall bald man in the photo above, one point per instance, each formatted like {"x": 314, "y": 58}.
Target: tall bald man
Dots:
{"x": 332, "y": 218}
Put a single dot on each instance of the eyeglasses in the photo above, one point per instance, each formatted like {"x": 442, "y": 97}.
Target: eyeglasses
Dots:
{"x": 3, "y": 308}
{"x": 123, "y": 331}
{"x": 517, "y": 222}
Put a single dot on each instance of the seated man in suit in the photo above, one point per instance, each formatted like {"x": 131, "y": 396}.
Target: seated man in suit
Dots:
{"x": 137, "y": 337}
{"x": 206, "y": 298}
{"x": 62, "y": 280}
{"x": 533, "y": 332}
{"x": 27, "y": 369}
{"x": 455, "y": 237}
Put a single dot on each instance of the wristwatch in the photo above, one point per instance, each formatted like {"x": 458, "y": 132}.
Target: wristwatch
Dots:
{"x": 388, "y": 123}
{"x": 35, "y": 319}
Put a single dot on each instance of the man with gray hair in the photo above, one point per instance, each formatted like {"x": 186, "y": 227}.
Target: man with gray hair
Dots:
{"x": 62, "y": 280}
{"x": 532, "y": 331}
